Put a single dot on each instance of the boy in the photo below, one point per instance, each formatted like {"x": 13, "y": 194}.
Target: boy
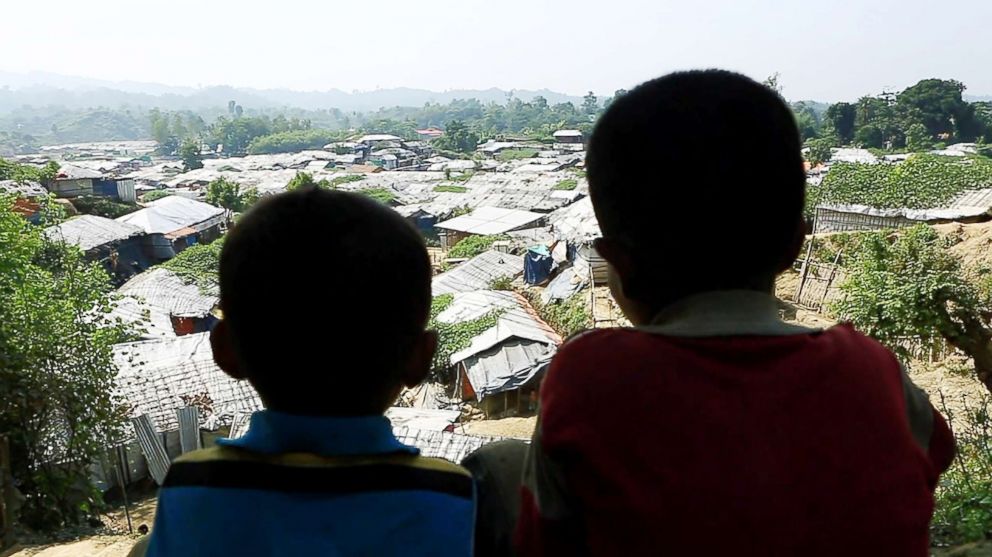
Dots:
{"x": 713, "y": 428}
{"x": 326, "y": 297}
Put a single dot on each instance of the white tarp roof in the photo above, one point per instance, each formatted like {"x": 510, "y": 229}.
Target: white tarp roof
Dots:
{"x": 421, "y": 418}
{"x": 491, "y": 220}
{"x": 90, "y": 231}
{"x": 576, "y": 223}
{"x": 174, "y": 212}
{"x": 567, "y": 133}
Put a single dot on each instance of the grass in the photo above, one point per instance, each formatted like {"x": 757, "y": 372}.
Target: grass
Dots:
{"x": 568, "y": 184}
{"x": 447, "y": 188}
{"x": 346, "y": 179}
{"x": 516, "y": 154}
{"x": 382, "y": 195}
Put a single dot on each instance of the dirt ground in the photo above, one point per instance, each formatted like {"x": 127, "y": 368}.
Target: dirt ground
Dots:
{"x": 110, "y": 541}
{"x": 517, "y": 428}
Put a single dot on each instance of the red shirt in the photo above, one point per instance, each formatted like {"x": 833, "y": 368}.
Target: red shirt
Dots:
{"x": 801, "y": 444}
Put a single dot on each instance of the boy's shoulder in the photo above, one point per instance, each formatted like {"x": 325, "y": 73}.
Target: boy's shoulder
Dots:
{"x": 228, "y": 466}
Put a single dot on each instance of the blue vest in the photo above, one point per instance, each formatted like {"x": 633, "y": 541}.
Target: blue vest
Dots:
{"x": 296, "y": 485}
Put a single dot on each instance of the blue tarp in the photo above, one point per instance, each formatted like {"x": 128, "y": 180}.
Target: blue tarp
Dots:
{"x": 537, "y": 265}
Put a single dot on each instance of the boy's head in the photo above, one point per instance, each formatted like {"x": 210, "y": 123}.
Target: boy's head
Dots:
{"x": 325, "y": 297}
{"x": 698, "y": 184}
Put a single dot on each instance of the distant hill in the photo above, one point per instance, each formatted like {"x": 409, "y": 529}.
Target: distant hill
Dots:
{"x": 45, "y": 89}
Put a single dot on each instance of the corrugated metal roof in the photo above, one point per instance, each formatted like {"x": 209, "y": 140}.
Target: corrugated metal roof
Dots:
{"x": 156, "y": 377}
{"x": 507, "y": 366}
{"x": 90, "y": 231}
{"x": 517, "y": 320}
{"x": 477, "y": 273}
{"x": 26, "y": 189}
{"x": 164, "y": 289}
{"x": 491, "y": 220}
{"x": 149, "y": 321}
{"x": 73, "y": 172}
{"x": 453, "y": 447}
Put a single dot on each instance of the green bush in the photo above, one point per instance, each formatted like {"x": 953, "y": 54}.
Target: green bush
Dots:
{"x": 199, "y": 265}
{"x": 447, "y": 188}
{"x": 455, "y": 337}
{"x": 963, "y": 511}
{"x": 346, "y": 179}
{"x": 567, "y": 317}
{"x": 471, "y": 246}
{"x": 292, "y": 141}
{"x": 103, "y": 207}
{"x": 516, "y": 154}
{"x": 382, "y": 195}
{"x": 568, "y": 184}
{"x": 155, "y": 195}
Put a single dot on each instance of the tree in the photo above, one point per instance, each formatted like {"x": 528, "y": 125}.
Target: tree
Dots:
{"x": 819, "y": 151}
{"x": 806, "y": 120}
{"x": 458, "y": 137}
{"x": 305, "y": 180}
{"x": 229, "y": 195}
{"x": 57, "y": 374}
{"x": 940, "y": 107}
{"x": 840, "y": 117}
{"x": 772, "y": 83}
{"x": 869, "y": 136}
{"x": 907, "y": 284}
{"x": 590, "y": 104}
{"x": 231, "y": 106}
{"x": 189, "y": 151}
{"x": 918, "y": 138}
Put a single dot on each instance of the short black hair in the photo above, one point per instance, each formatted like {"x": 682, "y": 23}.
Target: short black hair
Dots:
{"x": 699, "y": 172}
{"x": 324, "y": 293}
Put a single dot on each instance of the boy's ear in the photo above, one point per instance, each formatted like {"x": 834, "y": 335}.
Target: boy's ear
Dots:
{"x": 224, "y": 355}
{"x": 617, "y": 255}
{"x": 421, "y": 359}
{"x": 795, "y": 246}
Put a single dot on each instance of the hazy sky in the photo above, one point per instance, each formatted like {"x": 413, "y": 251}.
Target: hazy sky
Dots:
{"x": 827, "y": 50}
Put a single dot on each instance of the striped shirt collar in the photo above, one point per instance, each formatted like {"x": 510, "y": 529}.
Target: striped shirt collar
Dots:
{"x": 273, "y": 432}
{"x": 724, "y": 313}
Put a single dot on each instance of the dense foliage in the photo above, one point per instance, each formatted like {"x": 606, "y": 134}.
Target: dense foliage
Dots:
{"x": 10, "y": 170}
{"x": 155, "y": 195}
{"x": 471, "y": 246}
{"x": 229, "y": 195}
{"x": 305, "y": 180}
{"x": 190, "y": 153}
{"x": 58, "y": 408}
{"x": 963, "y": 510}
{"x": 567, "y": 317}
{"x": 921, "y": 182}
{"x": 292, "y": 141}
{"x": 199, "y": 264}
{"x": 906, "y": 285}
{"x": 516, "y": 154}
{"x": 382, "y": 195}
{"x": 103, "y": 206}
{"x": 455, "y": 337}
{"x": 346, "y": 179}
